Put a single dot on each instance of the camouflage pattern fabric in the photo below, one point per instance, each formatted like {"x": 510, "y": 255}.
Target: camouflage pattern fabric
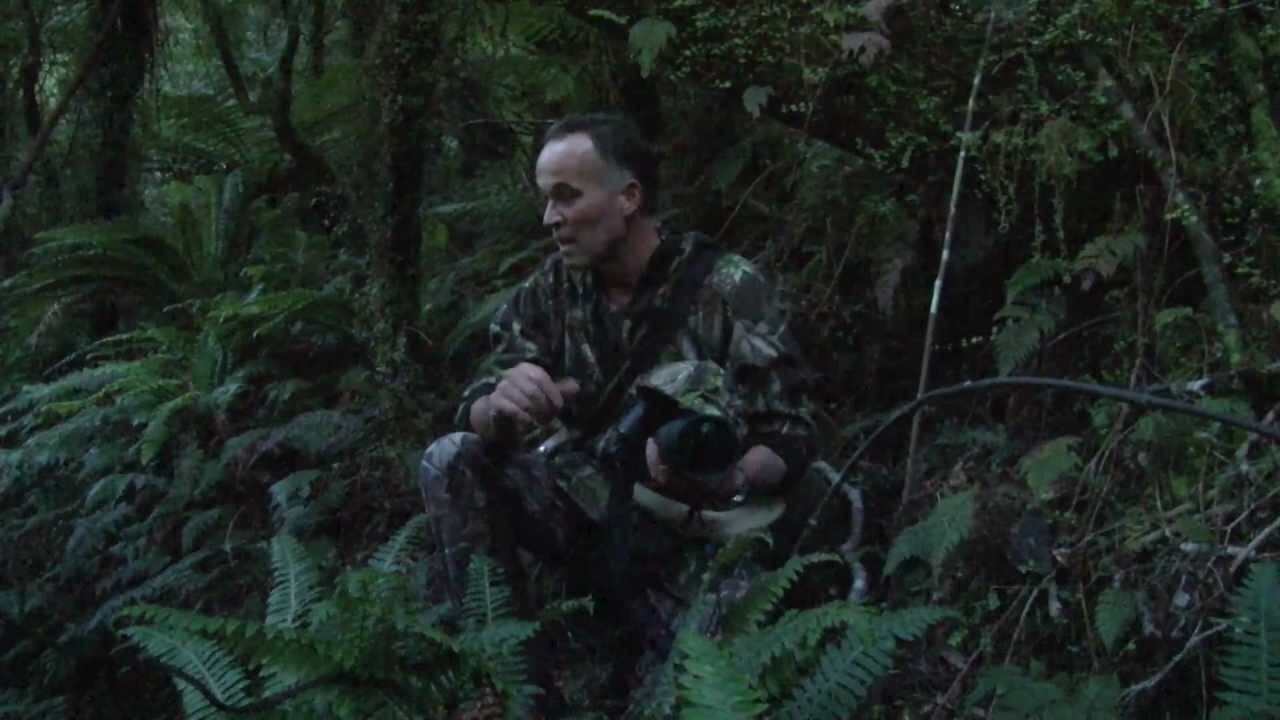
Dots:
{"x": 558, "y": 319}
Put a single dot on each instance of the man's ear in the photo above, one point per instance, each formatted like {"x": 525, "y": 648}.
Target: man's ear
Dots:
{"x": 632, "y": 196}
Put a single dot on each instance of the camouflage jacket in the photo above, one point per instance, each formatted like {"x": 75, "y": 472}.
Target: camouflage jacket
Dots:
{"x": 558, "y": 319}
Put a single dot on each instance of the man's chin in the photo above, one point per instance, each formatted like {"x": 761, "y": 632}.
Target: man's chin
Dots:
{"x": 573, "y": 259}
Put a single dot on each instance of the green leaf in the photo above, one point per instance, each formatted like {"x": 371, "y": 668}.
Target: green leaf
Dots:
{"x": 937, "y": 535}
{"x": 610, "y": 16}
{"x": 755, "y": 97}
{"x": 1275, "y": 311}
{"x": 1171, "y": 315}
{"x": 1048, "y": 463}
{"x": 647, "y": 38}
{"x": 1114, "y": 614}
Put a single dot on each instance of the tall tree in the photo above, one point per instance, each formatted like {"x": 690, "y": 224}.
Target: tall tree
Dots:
{"x": 116, "y": 81}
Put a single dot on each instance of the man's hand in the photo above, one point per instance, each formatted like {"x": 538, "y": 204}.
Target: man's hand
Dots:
{"x": 526, "y": 395}
{"x": 759, "y": 468}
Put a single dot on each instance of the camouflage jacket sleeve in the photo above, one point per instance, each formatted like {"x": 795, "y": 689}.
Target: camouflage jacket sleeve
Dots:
{"x": 519, "y": 332}
{"x": 761, "y": 357}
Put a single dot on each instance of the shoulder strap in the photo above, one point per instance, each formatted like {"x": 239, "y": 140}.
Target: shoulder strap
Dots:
{"x": 662, "y": 328}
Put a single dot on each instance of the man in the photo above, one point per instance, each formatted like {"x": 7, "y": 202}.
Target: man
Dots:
{"x": 566, "y": 346}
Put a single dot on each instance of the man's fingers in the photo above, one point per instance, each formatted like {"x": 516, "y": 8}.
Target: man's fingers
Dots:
{"x": 503, "y": 406}
{"x": 568, "y": 387}
{"x": 538, "y": 387}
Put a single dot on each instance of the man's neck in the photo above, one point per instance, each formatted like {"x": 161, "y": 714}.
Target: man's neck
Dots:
{"x": 620, "y": 278}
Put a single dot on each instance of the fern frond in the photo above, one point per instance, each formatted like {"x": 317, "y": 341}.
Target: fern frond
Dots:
{"x": 1014, "y": 693}
{"x": 407, "y": 541}
{"x": 767, "y": 590}
{"x": 1251, "y": 656}
{"x": 794, "y": 634}
{"x": 199, "y": 658}
{"x": 1107, "y": 253}
{"x": 181, "y": 575}
{"x": 711, "y": 687}
{"x": 1115, "y": 611}
{"x": 160, "y": 427}
{"x": 486, "y": 597}
{"x": 937, "y": 535}
{"x": 1034, "y": 273}
{"x": 198, "y": 525}
{"x": 840, "y": 683}
{"x": 294, "y": 583}
{"x": 1021, "y": 334}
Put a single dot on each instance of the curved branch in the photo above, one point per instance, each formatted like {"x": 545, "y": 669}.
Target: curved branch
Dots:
{"x": 1143, "y": 400}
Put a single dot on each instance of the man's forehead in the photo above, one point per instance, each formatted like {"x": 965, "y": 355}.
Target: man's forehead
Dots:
{"x": 569, "y": 158}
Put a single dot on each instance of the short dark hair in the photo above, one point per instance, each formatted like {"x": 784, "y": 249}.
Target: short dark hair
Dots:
{"x": 620, "y": 144}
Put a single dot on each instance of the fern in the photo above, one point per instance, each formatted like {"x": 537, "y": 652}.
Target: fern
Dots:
{"x": 294, "y": 588}
{"x": 1250, "y": 660}
{"x": 767, "y": 590}
{"x": 1107, "y": 253}
{"x": 711, "y": 686}
{"x": 1114, "y": 614}
{"x": 1019, "y": 695}
{"x": 1048, "y": 463}
{"x": 407, "y": 541}
{"x": 205, "y": 661}
{"x": 1020, "y": 336}
{"x": 937, "y": 535}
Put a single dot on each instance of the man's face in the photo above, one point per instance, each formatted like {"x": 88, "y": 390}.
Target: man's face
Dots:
{"x": 588, "y": 201}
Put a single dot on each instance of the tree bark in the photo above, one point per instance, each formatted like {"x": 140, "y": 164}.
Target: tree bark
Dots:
{"x": 310, "y": 170}
{"x": 316, "y": 38}
{"x": 222, "y": 45}
{"x": 29, "y": 75}
{"x": 114, "y": 86}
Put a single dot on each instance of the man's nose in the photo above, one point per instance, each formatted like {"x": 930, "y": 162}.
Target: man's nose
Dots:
{"x": 551, "y": 217}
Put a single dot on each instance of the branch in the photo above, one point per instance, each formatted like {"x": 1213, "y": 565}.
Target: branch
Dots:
{"x": 222, "y": 43}
{"x": 909, "y": 483}
{"x": 1133, "y": 691}
{"x": 1143, "y": 400}
{"x": 37, "y": 148}
{"x": 1205, "y": 247}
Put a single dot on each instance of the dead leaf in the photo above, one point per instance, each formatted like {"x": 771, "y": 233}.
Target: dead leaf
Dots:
{"x": 889, "y": 281}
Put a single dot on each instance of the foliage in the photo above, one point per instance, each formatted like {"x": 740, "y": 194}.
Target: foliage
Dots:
{"x": 214, "y": 334}
{"x": 344, "y": 652}
{"x": 819, "y": 662}
{"x": 933, "y": 539}
{"x": 1251, "y": 658}
{"x": 1019, "y": 694}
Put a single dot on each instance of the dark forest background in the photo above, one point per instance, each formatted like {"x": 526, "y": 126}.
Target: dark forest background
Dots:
{"x": 248, "y": 252}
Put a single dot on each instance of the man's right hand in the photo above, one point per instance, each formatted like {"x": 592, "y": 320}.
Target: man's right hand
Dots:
{"x": 527, "y": 395}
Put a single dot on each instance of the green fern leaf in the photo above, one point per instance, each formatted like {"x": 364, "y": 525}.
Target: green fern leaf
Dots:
{"x": 294, "y": 583}
{"x": 159, "y": 428}
{"x": 212, "y": 666}
{"x": 407, "y": 541}
{"x": 1107, "y": 253}
{"x": 647, "y": 38}
{"x": 1250, "y": 659}
{"x": 1020, "y": 336}
{"x": 937, "y": 535}
{"x": 1044, "y": 466}
{"x": 767, "y": 590}
{"x": 1033, "y": 274}
{"x": 711, "y": 687}
{"x": 486, "y": 597}
{"x": 1017, "y": 695}
{"x": 1114, "y": 614}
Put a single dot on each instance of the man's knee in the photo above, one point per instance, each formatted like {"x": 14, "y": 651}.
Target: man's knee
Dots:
{"x": 451, "y": 459}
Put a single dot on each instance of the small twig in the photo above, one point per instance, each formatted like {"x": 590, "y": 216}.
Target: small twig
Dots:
{"x": 908, "y": 486}
{"x": 1253, "y": 545}
{"x": 1134, "y": 690}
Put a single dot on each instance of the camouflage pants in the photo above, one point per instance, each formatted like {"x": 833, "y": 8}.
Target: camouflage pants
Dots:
{"x": 476, "y": 500}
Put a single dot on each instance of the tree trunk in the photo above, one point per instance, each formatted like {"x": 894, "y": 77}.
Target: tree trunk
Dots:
{"x": 319, "y": 21}
{"x": 29, "y": 75}
{"x": 405, "y": 58}
{"x": 222, "y": 44}
{"x": 114, "y": 87}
